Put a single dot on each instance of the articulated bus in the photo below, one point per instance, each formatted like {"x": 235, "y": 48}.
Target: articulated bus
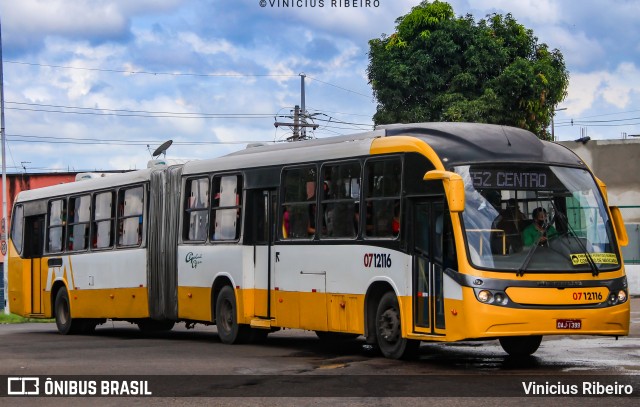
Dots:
{"x": 408, "y": 233}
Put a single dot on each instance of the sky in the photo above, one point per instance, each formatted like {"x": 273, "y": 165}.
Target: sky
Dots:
{"x": 92, "y": 85}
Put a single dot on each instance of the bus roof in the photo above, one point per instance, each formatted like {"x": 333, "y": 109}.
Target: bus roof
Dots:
{"x": 113, "y": 180}
{"x": 329, "y": 148}
{"x": 461, "y": 143}
{"x": 453, "y": 143}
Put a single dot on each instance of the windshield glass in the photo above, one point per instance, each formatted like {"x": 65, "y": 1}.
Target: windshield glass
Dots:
{"x": 536, "y": 219}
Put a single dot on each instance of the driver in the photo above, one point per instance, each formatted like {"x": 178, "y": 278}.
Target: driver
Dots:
{"x": 538, "y": 231}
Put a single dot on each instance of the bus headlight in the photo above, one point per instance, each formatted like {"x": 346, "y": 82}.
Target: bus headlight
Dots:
{"x": 500, "y": 298}
{"x": 622, "y": 296}
{"x": 485, "y": 296}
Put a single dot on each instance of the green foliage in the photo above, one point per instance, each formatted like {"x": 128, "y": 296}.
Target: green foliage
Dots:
{"x": 437, "y": 67}
{"x": 16, "y": 319}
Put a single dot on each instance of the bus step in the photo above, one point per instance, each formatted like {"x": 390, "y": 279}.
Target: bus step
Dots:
{"x": 261, "y": 323}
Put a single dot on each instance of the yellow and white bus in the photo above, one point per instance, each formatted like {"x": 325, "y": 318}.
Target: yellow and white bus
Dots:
{"x": 409, "y": 233}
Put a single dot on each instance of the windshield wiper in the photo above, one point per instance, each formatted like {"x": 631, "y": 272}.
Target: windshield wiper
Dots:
{"x": 526, "y": 261}
{"x": 594, "y": 268}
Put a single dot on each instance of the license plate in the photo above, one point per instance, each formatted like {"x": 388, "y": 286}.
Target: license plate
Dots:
{"x": 569, "y": 324}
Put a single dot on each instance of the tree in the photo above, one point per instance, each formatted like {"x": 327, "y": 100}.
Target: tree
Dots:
{"x": 438, "y": 67}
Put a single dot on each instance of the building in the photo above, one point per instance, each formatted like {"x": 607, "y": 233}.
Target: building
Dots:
{"x": 617, "y": 164}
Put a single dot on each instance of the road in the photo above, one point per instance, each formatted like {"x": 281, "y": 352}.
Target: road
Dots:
{"x": 295, "y": 363}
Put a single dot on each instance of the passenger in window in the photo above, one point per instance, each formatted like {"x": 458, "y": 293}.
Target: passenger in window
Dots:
{"x": 511, "y": 221}
{"x": 139, "y": 229}
{"x": 311, "y": 228}
{"x": 368, "y": 217}
{"x": 395, "y": 223}
{"x": 286, "y": 225}
{"x": 539, "y": 232}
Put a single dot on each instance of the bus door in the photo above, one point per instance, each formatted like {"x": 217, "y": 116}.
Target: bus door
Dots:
{"x": 264, "y": 217}
{"x": 33, "y": 252}
{"x": 428, "y": 295}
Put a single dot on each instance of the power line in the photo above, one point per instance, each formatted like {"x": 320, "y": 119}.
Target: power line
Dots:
{"x": 601, "y": 115}
{"x": 141, "y": 111}
{"x": 343, "y": 113}
{"x": 340, "y": 87}
{"x": 213, "y": 75}
{"x": 578, "y": 122}
{"x": 148, "y": 72}
{"x": 599, "y": 125}
{"x": 20, "y": 138}
{"x": 160, "y": 115}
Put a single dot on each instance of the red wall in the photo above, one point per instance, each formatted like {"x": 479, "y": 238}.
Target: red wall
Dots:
{"x": 23, "y": 182}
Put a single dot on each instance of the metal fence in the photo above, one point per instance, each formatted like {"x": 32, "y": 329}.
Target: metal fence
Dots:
{"x": 631, "y": 216}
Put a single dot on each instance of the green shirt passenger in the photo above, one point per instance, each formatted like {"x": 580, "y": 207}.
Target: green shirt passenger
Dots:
{"x": 535, "y": 232}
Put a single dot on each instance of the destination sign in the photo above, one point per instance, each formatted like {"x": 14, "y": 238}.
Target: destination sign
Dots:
{"x": 504, "y": 178}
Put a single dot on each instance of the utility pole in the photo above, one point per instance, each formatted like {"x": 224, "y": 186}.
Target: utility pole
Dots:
{"x": 3, "y": 232}
{"x": 302, "y": 105}
{"x": 553, "y": 130}
{"x": 299, "y": 125}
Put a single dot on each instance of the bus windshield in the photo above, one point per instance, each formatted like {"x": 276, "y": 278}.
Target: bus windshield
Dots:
{"x": 571, "y": 231}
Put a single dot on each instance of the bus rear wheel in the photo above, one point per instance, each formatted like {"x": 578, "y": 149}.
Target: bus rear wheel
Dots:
{"x": 520, "y": 346}
{"x": 229, "y": 330}
{"x": 62, "y": 310}
{"x": 389, "y": 330}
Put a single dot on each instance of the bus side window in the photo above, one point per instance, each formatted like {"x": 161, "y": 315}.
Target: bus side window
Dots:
{"x": 226, "y": 208}
{"x": 78, "y": 225}
{"x": 103, "y": 221}
{"x": 17, "y": 223}
{"x": 340, "y": 195}
{"x": 382, "y": 197}
{"x": 55, "y": 225}
{"x": 299, "y": 207}
{"x": 130, "y": 223}
{"x": 196, "y": 215}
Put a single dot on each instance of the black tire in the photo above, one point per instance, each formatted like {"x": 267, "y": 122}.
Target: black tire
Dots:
{"x": 336, "y": 337}
{"x": 389, "y": 330}
{"x": 152, "y": 326}
{"x": 227, "y": 318}
{"x": 520, "y": 346}
{"x": 66, "y": 324}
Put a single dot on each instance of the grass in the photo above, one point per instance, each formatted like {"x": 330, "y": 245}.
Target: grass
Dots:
{"x": 15, "y": 319}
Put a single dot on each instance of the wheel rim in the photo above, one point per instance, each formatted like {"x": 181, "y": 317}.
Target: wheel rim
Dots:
{"x": 389, "y": 325}
{"x": 226, "y": 314}
{"x": 63, "y": 312}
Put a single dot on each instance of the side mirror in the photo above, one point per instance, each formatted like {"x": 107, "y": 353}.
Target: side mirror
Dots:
{"x": 453, "y": 187}
{"x": 618, "y": 226}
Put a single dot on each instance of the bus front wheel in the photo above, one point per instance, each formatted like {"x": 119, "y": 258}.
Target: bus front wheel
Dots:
{"x": 520, "y": 346}
{"x": 62, "y": 310}
{"x": 389, "y": 330}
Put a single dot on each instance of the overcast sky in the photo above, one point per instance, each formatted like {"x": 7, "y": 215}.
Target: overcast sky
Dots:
{"x": 88, "y": 84}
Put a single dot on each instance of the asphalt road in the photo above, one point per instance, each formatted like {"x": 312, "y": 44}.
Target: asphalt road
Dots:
{"x": 297, "y": 365}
